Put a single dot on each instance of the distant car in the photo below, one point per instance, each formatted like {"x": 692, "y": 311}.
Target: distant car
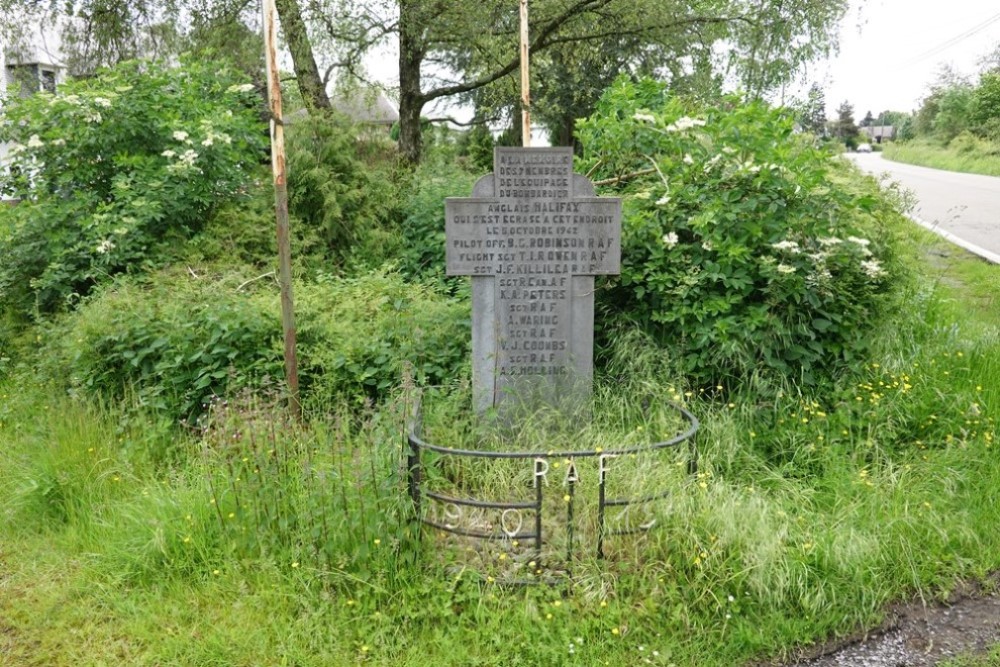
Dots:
{"x": 864, "y": 148}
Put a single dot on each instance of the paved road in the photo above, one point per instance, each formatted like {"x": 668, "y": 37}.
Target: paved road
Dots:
{"x": 965, "y": 208}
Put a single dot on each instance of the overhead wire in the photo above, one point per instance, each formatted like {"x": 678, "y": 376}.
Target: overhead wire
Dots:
{"x": 947, "y": 44}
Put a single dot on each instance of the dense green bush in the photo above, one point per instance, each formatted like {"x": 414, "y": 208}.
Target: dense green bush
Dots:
{"x": 341, "y": 191}
{"x": 243, "y": 233}
{"x": 356, "y": 335}
{"x": 422, "y": 256}
{"x": 476, "y": 146}
{"x": 175, "y": 340}
{"x": 965, "y": 142}
{"x": 739, "y": 253}
{"x": 113, "y": 171}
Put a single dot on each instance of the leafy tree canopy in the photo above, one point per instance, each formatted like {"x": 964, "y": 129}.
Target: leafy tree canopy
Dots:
{"x": 844, "y": 127}
{"x": 812, "y": 114}
{"x": 462, "y": 46}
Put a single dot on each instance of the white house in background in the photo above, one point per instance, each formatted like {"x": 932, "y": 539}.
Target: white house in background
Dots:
{"x": 28, "y": 65}
{"x": 30, "y": 62}
{"x": 879, "y": 133}
{"x": 371, "y": 108}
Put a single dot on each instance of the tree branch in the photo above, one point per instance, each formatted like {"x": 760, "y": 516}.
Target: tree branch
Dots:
{"x": 549, "y": 36}
{"x": 626, "y": 177}
{"x": 469, "y": 123}
{"x": 540, "y": 42}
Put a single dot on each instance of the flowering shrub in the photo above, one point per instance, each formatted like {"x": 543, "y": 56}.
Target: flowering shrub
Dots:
{"x": 112, "y": 169}
{"x": 740, "y": 254}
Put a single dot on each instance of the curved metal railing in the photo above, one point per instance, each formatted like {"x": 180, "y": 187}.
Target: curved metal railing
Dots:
{"x": 415, "y": 445}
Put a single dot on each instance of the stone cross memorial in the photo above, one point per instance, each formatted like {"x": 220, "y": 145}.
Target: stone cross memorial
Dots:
{"x": 532, "y": 236}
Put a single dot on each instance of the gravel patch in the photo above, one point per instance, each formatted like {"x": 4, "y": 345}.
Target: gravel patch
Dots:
{"x": 920, "y": 636}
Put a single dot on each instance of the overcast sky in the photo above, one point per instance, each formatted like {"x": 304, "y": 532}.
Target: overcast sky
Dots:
{"x": 891, "y": 50}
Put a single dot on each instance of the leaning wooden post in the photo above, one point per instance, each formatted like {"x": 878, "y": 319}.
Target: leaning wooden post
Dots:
{"x": 525, "y": 79}
{"x": 281, "y": 207}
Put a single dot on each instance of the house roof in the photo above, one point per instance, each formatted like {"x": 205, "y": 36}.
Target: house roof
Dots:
{"x": 32, "y": 59}
{"x": 372, "y": 108}
{"x": 367, "y": 107}
{"x": 879, "y": 130}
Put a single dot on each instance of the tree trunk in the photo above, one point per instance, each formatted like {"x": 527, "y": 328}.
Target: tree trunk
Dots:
{"x": 411, "y": 100}
{"x": 304, "y": 62}
{"x": 565, "y": 136}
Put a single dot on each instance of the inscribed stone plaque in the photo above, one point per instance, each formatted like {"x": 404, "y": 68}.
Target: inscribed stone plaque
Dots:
{"x": 532, "y": 236}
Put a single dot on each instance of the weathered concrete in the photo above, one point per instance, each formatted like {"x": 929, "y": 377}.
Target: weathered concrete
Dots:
{"x": 533, "y": 236}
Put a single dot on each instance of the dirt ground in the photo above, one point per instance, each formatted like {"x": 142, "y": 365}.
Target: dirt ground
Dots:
{"x": 919, "y": 635}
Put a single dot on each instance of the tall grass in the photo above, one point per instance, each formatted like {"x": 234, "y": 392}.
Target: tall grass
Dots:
{"x": 982, "y": 157}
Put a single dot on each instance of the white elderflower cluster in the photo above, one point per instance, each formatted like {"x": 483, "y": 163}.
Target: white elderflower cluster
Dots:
{"x": 670, "y": 239}
{"x": 819, "y": 278}
{"x": 754, "y": 168}
{"x": 714, "y": 160}
{"x": 872, "y": 268}
{"x": 105, "y": 246}
{"x": 785, "y": 268}
{"x": 685, "y": 123}
{"x": 240, "y": 88}
{"x": 787, "y": 246}
{"x": 862, "y": 244}
{"x": 184, "y": 161}
{"x": 211, "y": 137}
{"x": 644, "y": 117}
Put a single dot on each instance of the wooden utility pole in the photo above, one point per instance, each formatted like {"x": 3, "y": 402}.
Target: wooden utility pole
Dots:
{"x": 525, "y": 79}
{"x": 281, "y": 206}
